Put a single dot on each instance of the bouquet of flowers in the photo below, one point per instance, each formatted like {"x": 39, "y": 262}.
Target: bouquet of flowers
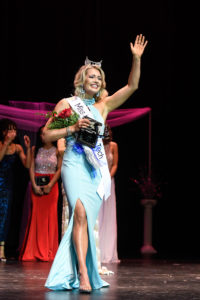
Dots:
{"x": 149, "y": 188}
{"x": 64, "y": 119}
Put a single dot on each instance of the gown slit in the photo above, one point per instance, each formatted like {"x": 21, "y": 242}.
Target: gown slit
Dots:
{"x": 91, "y": 251}
{"x": 73, "y": 223}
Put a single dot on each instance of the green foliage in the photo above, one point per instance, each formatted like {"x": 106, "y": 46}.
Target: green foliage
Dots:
{"x": 58, "y": 123}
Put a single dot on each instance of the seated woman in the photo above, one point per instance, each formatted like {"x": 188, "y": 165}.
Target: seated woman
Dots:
{"x": 41, "y": 238}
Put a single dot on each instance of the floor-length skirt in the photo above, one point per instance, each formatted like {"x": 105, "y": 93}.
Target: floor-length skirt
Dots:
{"x": 41, "y": 238}
{"x": 108, "y": 228}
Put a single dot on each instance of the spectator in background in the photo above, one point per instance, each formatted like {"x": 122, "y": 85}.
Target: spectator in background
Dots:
{"x": 41, "y": 238}
{"x": 107, "y": 213}
{"x": 9, "y": 150}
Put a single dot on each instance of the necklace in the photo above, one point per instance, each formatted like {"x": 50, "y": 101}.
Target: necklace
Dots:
{"x": 89, "y": 101}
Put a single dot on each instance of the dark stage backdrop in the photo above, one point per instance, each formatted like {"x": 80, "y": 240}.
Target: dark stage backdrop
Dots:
{"x": 43, "y": 43}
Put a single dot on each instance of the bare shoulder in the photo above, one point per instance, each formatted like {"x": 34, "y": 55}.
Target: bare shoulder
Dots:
{"x": 101, "y": 106}
{"x": 113, "y": 145}
{"x": 106, "y": 102}
{"x": 18, "y": 148}
{"x": 62, "y": 104}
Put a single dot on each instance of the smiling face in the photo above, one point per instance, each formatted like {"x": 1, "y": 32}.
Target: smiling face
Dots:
{"x": 93, "y": 82}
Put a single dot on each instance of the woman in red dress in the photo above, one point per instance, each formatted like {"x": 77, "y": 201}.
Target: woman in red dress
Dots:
{"x": 41, "y": 238}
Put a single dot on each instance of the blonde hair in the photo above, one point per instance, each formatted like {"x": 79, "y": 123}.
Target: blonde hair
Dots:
{"x": 79, "y": 80}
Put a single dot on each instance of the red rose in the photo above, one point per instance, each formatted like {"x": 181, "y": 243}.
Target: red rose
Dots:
{"x": 65, "y": 113}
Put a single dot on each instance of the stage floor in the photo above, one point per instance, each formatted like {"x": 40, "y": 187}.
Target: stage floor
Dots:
{"x": 141, "y": 279}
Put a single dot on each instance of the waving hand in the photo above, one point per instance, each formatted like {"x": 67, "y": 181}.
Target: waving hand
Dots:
{"x": 138, "y": 48}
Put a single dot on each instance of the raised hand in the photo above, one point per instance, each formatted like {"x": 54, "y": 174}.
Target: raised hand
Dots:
{"x": 10, "y": 136}
{"x": 27, "y": 141}
{"x": 138, "y": 48}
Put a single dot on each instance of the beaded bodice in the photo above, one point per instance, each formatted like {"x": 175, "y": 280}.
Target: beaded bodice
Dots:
{"x": 46, "y": 161}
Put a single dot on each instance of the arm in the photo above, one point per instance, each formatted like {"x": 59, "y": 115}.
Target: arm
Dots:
{"x": 3, "y": 149}
{"x": 47, "y": 188}
{"x": 61, "y": 145}
{"x": 117, "y": 99}
{"x": 51, "y": 135}
{"x": 25, "y": 159}
{"x": 115, "y": 159}
{"x": 37, "y": 190}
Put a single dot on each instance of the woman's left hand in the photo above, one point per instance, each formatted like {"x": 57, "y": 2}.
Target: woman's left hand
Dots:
{"x": 138, "y": 48}
{"x": 27, "y": 141}
{"x": 46, "y": 189}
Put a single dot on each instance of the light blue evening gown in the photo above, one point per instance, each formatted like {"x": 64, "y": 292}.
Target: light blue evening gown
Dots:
{"x": 79, "y": 183}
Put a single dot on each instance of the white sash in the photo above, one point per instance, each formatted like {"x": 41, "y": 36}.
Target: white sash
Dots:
{"x": 79, "y": 107}
{"x": 104, "y": 188}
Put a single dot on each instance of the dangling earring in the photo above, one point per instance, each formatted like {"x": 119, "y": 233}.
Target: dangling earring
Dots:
{"x": 98, "y": 94}
{"x": 82, "y": 91}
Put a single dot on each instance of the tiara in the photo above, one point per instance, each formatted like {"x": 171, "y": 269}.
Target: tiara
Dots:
{"x": 90, "y": 62}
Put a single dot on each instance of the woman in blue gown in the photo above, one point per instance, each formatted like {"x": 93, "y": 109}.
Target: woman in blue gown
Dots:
{"x": 9, "y": 151}
{"x": 75, "y": 264}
